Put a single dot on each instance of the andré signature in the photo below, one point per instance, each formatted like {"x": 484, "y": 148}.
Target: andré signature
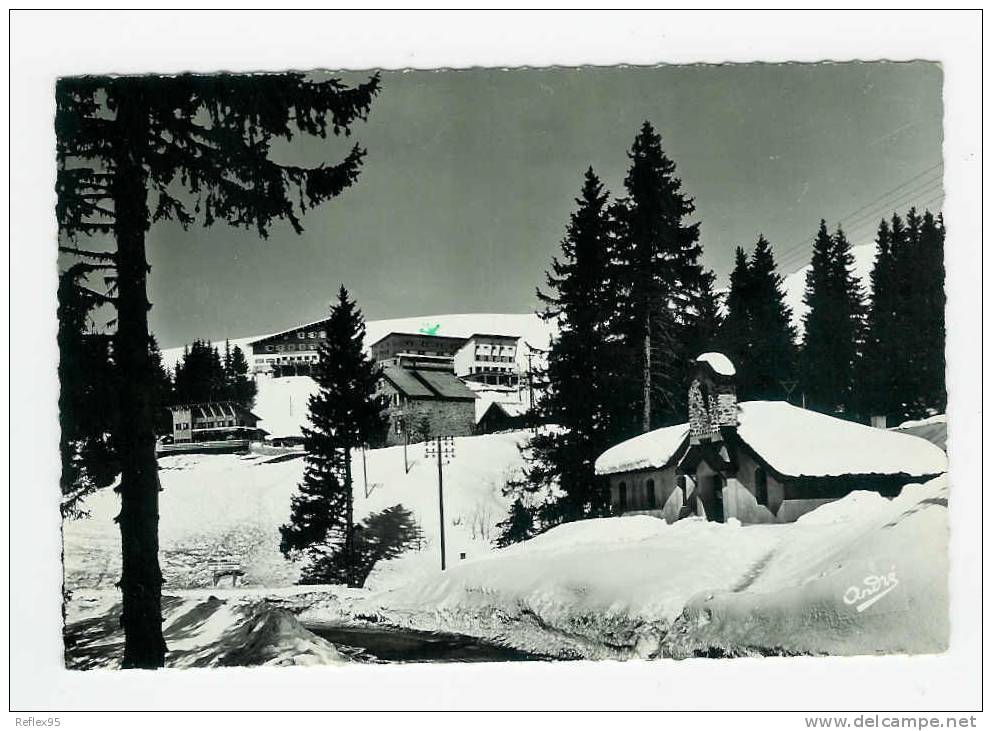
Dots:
{"x": 871, "y": 589}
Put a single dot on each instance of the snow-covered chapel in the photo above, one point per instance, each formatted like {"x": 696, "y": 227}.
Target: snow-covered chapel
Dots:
{"x": 757, "y": 461}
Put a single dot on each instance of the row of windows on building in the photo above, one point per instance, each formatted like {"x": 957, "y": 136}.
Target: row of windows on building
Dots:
{"x": 289, "y": 359}
{"x": 183, "y": 425}
{"x": 491, "y": 369}
{"x": 291, "y": 346}
{"x": 494, "y": 358}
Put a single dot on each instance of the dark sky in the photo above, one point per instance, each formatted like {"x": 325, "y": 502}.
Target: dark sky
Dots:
{"x": 471, "y": 176}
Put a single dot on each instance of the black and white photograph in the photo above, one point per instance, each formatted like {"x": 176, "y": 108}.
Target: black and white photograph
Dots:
{"x": 536, "y": 366}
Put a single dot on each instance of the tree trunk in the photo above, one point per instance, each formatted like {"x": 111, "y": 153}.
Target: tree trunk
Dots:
{"x": 141, "y": 577}
{"x": 349, "y": 520}
{"x": 646, "y": 417}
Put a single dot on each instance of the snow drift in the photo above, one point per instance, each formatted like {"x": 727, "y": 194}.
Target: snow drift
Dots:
{"x": 202, "y": 631}
{"x": 638, "y": 587}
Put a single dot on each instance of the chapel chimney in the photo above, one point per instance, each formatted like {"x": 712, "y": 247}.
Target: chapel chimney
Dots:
{"x": 712, "y": 398}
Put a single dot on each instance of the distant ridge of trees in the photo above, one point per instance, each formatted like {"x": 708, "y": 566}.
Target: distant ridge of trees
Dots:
{"x": 203, "y": 374}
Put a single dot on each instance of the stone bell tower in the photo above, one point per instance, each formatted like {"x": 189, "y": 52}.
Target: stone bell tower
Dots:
{"x": 712, "y": 398}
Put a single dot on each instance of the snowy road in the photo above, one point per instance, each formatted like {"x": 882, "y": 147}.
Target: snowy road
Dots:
{"x": 397, "y": 645}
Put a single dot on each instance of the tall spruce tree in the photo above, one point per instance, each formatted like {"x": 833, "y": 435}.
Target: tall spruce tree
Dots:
{"x": 87, "y": 394}
{"x": 706, "y": 323}
{"x": 771, "y": 370}
{"x": 132, "y": 150}
{"x": 241, "y": 387}
{"x": 200, "y": 375}
{"x": 582, "y": 363}
{"x": 911, "y": 358}
{"x": 735, "y": 332}
{"x": 345, "y": 414}
{"x": 661, "y": 279}
{"x": 932, "y": 301}
{"x": 834, "y": 325}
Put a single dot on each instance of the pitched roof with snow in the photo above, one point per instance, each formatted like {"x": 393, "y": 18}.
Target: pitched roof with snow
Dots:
{"x": 797, "y": 442}
{"x": 794, "y": 442}
{"x": 653, "y": 450}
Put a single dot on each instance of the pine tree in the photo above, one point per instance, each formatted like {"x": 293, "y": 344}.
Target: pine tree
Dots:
{"x": 241, "y": 387}
{"x": 162, "y": 388}
{"x": 200, "y": 375}
{"x": 582, "y": 363}
{"x": 932, "y": 303}
{"x": 834, "y": 325}
{"x": 87, "y": 395}
{"x": 345, "y": 414}
{"x": 380, "y": 537}
{"x": 518, "y": 525}
{"x": 703, "y": 332}
{"x": 735, "y": 333}
{"x": 881, "y": 356}
{"x": 771, "y": 369}
{"x": 125, "y": 145}
{"x": 660, "y": 276}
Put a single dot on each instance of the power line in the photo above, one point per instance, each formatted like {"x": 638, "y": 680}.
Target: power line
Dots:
{"x": 872, "y": 218}
{"x": 789, "y": 253}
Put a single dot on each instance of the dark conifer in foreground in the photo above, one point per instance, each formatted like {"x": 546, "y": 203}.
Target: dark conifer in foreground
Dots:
{"x": 125, "y": 146}
{"x": 660, "y": 278}
{"x": 582, "y": 364}
{"x": 87, "y": 395}
{"x": 345, "y": 414}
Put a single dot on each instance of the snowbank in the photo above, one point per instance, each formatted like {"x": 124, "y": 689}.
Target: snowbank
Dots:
{"x": 227, "y": 509}
{"x": 200, "y": 631}
{"x": 638, "y": 587}
{"x": 652, "y": 450}
{"x": 799, "y": 442}
{"x": 872, "y": 580}
{"x": 282, "y": 404}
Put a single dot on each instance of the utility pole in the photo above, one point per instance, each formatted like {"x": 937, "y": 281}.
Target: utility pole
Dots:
{"x": 444, "y": 449}
{"x": 365, "y": 472}
{"x": 530, "y": 388}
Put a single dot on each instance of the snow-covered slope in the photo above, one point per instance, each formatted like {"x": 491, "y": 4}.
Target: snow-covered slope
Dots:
{"x": 795, "y": 284}
{"x": 617, "y": 587}
{"x": 282, "y": 404}
{"x": 527, "y": 326}
{"x": 228, "y": 508}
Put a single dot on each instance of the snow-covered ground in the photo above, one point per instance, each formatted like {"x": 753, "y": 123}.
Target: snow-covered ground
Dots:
{"x": 638, "y": 587}
{"x": 201, "y": 629}
{"x": 222, "y": 509}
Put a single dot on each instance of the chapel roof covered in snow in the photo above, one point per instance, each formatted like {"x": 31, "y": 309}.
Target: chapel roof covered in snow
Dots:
{"x": 798, "y": 442}
{"x": 794, "y": 442}
{"x": 654, "y": 450}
